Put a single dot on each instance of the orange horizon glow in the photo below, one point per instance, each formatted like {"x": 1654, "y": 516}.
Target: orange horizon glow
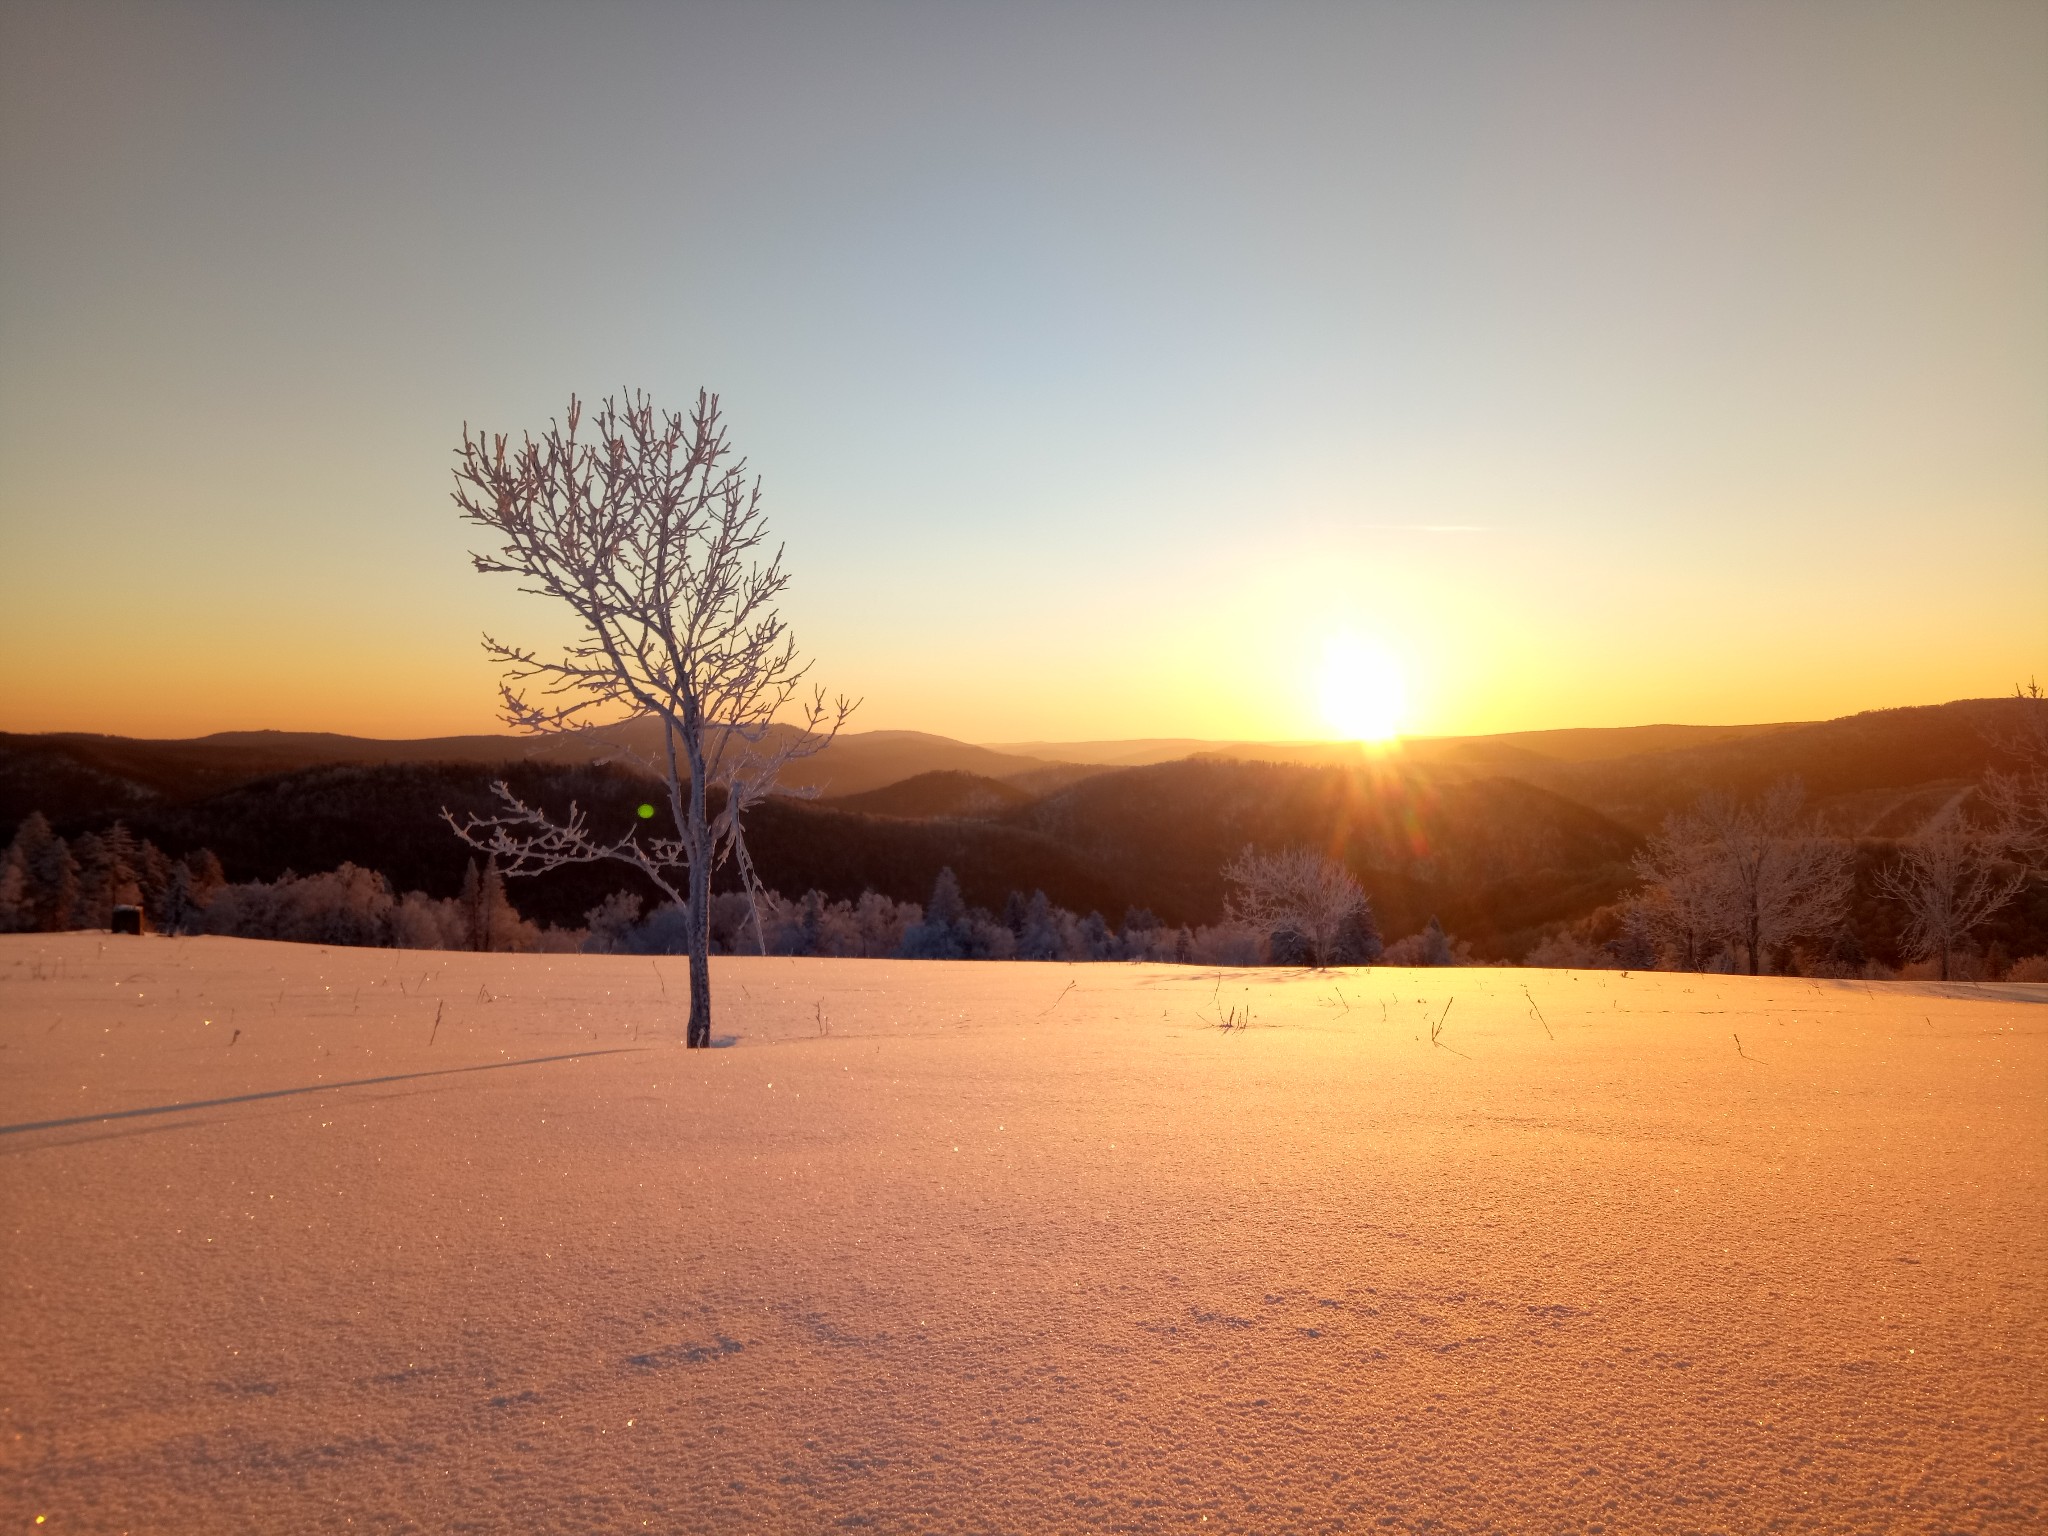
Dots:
{"x": 346, "y": 712}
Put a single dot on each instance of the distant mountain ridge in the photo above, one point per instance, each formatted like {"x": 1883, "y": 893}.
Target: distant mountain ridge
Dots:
{"x": 1866, "y": 765}
{"x": 1578, "y": 744}
{"x": 942, "y": 793}
{"x": 68, "y": 773}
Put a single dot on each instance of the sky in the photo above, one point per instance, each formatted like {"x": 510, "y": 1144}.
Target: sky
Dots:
{"x": 1110, "y": 370}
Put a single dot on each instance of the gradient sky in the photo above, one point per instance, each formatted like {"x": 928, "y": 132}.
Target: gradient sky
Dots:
{"x": 1601, "y": 364}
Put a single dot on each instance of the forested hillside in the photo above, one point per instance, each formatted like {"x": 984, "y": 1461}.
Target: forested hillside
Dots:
{"x": 1502, "y": 846}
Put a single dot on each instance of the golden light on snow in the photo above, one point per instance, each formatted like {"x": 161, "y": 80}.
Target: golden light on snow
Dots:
{"x": 799, "y": 1337}
{"x": 1361, "y": 691}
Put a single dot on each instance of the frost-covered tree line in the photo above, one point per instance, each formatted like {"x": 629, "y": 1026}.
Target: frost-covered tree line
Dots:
{"x": 1759, "y": 886}
{"x": 1739, "y": 886}
{"x": 1290, "y": 908}
{"x": 875, "y": 927}
{"x": 49, "y": 885}
{"x": 1287, "y": 910}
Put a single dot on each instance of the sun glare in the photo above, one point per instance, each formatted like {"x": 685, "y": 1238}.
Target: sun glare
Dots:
{"x": 1363, "y": 697}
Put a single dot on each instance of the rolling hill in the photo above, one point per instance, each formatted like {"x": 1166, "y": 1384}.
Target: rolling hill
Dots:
{"x": 1872, "y": 775}
{"x": 74, "y": 774}
{"x": 945, "y": 792}
{"x": 1495, "y": 859}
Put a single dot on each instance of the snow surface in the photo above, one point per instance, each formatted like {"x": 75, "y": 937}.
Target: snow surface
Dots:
{"x": 1008, "y": 1247}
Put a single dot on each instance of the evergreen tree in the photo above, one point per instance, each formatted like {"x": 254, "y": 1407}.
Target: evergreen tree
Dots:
{"x": 810, "y": 924}
{"x": 176, "y": 910}
{"x": 49, "y": 872}
{"x": 15, "y": 913}
{"x": 124, "y": 867}
{"x": 947, "y": 906}
{"x": 1358, "y": 939}
{"x": 109, "y": 875}
{"x": 1139, "y": 921}
{"x": 153, "y": 879}
{"x": 1436, "y": 945}
{"x": 943, "y": 934}
{"x": 492, "y": 918}
{"x": 1289, "y": 946}
{"x": 1846, "y": 951}
{"x": 1040, "y": 937}
{"x": 496, "y": 908}
{"x": 93, "y": 904}
{"x": 38, "y": 878}
{"x": 1097, "y": 943}
{"x": 472, "y": 899}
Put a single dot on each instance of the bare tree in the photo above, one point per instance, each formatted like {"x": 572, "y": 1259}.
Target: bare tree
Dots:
{"x": 1781, "y": 876}
{"x": 1950, "y": 878}
{"x": 2020, "y": 798}
{"x": 1685, "y": 898}
{"x": 1295, "y": 890}
{"x": 653, "y": 535}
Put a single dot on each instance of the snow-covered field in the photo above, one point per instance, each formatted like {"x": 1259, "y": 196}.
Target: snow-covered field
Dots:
{"x": 987, "y": 1247}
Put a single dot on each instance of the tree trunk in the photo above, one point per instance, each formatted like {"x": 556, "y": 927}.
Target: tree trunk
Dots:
{"x": 699, "y": 1036}
{"x": 698, "y": 835}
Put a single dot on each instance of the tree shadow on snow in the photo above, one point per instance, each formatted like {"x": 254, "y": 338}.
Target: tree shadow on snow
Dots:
{"x": 284, "y": 1093}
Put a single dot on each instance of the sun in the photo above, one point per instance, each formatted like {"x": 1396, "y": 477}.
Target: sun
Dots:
{"x": 1362, "y": 694}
